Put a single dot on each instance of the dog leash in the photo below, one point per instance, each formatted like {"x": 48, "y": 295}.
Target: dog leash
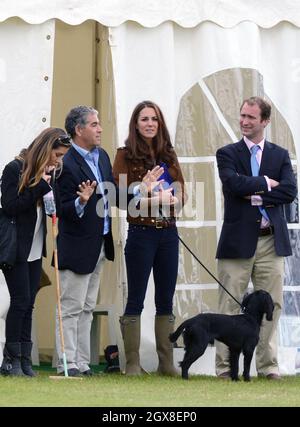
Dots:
{"x": 209, "y": 272}
{"x": 202, "y": 265}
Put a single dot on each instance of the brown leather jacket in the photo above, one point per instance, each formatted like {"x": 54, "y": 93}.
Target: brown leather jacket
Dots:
{"x": 133, "y": 175}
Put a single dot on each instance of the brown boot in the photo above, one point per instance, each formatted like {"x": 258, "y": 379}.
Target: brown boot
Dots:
{"x": 164, "y": 326}
{"x": 131, "y": 332}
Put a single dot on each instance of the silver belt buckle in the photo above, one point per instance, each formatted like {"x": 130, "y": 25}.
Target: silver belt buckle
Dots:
{"x": 158, "y": 223}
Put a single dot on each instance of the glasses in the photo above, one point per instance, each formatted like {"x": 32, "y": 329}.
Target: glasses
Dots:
{"x": 64, "y": 140}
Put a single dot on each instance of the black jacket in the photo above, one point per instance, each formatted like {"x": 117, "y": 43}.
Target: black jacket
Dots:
{"x": 241, "y": 225}
{"x": 23, "y": 207}
{"x": 80, "y": 239}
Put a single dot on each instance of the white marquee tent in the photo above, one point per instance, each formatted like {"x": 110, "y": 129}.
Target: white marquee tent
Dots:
{"x": 197, "y": 59}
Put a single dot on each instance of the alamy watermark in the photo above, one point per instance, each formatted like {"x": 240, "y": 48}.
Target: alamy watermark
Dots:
{"x": 128, "y": 200}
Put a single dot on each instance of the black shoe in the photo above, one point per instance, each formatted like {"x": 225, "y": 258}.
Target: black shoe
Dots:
{"x": 72, "y": 372}
{"x": 112, "y": 369}
{"x": 87, "y": 373}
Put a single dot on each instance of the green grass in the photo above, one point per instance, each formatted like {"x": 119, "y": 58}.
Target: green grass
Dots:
{"x": 111, "y": 390}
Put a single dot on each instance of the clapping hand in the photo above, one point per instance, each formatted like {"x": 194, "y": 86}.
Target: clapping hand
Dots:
{"x": 166, "y": 196}
{"x": 85, "y": 191}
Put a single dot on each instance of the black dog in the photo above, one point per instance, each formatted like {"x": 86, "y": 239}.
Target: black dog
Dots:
{"x": 239, "y": 332}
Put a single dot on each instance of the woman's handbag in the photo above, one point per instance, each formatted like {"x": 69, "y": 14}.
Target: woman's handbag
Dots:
{"x": 8, "y": 241}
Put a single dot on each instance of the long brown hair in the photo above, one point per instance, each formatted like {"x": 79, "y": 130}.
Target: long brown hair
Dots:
{"x": 137, "y": 147}
{"x": 37, "y": 155}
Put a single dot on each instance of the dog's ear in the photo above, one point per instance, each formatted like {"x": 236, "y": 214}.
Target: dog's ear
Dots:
{"x": 245, "y": 300}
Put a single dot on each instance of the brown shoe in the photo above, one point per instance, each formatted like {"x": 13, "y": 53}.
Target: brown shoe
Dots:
{"x": 275, "y": 377}
{"x": 225, "y": 376}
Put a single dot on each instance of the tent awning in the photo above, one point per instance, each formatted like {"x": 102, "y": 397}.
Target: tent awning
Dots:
{"x": 186, "y": 13}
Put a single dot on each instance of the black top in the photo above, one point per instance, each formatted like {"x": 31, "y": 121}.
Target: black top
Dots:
{"x": 23, "y": 207}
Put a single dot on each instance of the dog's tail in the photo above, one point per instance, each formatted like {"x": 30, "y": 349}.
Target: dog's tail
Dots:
{"x": 175, "y": 335}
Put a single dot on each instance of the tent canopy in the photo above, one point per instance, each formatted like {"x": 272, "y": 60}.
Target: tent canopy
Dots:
{"x": 197, "y": 59}
{"x": 186, "y": 13}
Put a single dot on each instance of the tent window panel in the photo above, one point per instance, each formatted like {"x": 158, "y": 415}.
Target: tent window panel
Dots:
{"x": 202, "y": 241}
{"x": 200, "y": 184}
{"x": 198, "y": 130}
{"x": 292, "y": 273}
{"x": 279, "y": 132}
{"x": 289, "y": 327}
{"x": 291, "y": 211}
{"x": 209, "y": 113}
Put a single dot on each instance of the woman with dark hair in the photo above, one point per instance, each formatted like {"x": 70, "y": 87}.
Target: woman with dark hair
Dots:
{"x": 24, "y": 182}
{"x": 152, "y": 241}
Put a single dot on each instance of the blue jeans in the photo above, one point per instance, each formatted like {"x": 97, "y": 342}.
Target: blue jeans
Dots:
{"x": 146, "y": 248}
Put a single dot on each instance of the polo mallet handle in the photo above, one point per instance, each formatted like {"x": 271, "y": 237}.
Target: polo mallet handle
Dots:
{"x": 58, "y": 293}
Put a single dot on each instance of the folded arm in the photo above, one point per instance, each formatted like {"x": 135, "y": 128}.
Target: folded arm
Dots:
{"x": 240, "y": 185}
{"x": 286, "y": 190}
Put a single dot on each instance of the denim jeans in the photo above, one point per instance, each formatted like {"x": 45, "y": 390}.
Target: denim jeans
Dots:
{"x": 22, "y": 281}
{"x": 150, "y": 248}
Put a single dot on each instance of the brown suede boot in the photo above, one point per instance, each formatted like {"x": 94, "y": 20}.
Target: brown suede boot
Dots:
{"x": 164, "y": 326}
{"x": 131, "y": 332}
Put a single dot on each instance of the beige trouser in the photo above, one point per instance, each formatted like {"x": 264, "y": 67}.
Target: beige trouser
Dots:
{"x": 266, "y": 270}
{"x": 79, "y": 294}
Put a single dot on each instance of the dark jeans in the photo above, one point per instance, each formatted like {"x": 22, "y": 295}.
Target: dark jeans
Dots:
{"x": 22, "y": 282}
{"x": 147, "y": 248}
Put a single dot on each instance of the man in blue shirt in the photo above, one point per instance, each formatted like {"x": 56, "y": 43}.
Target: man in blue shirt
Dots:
{"x": 84, "y": 238}
{"x": 257, "y": 180}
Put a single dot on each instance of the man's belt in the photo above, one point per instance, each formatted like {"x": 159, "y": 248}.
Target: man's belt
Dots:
{"x": 266, "y": 231}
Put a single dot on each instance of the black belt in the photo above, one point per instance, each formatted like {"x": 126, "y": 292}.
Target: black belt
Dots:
{"x": 266, "y": 231}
